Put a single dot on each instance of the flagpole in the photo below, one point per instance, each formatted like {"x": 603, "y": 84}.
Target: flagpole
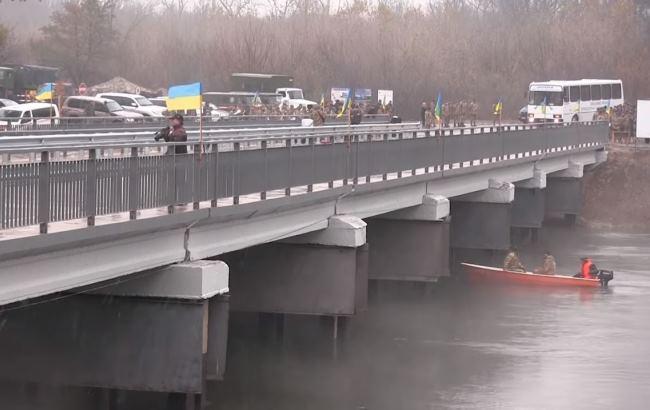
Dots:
{"x": 201, "y": 147}
{"x": 500, "y": 112}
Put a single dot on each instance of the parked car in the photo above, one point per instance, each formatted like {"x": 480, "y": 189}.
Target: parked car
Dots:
{"x": 29, "y": 115}
{"x": 4, "y": 102}
{"x": 159, "y": 101}
{"x": 135, "y": 103}
{"x": 81, "y": 106}
{"x": 293, "y": 97}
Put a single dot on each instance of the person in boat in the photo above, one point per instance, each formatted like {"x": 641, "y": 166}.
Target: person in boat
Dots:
{"x": 588, "y": 270}
{"x": 512, "y": 262}
{"x": 548, "y": 267}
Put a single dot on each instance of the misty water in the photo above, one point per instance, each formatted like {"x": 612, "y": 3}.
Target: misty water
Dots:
{"x": 455, "y": 346}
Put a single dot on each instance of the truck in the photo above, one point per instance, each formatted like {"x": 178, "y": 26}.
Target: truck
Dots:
{"x": 271, "y": 83}
{"x": 7, "y": 75}
{"x": 19, "y": 82}
{"x": 293, "y": 97}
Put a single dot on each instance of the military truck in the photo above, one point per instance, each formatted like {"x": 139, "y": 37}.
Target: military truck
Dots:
{"x": 25, "y": 80}
{"x": 6, "y": 82}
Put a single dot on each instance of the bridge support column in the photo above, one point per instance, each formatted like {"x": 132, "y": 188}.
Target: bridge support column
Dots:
{"x": 564, "y": 192}
{"x": 163, "y": 330}
{"x": 411, "y": 244}
{"x": 320, "y": 273}
{"x": 527, "y": 214}
{"x": 480, "y": 224}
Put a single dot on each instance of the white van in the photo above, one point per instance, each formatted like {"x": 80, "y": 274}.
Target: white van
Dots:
{"x": 29, "y": 115}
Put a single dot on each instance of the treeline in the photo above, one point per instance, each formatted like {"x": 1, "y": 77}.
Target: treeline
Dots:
{"x": 482, "y": 49}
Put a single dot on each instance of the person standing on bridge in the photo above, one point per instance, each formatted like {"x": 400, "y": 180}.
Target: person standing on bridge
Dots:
{"x": 174, "y": 133}
{"x": 355, "y": 115}
{"x": 423, "y": 112}
{"x": 317, "y": 115}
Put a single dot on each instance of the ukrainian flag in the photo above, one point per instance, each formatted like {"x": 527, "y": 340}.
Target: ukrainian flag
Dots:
{"x": 45, "y": 92}
{"x": 347, "y": 105}
{"x": 184, "y": 97}
{"x": 498, "y": 107}
{"x": 438, "y": 109}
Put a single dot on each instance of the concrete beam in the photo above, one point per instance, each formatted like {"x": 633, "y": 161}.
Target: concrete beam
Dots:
{"x": 109, "y": 342}
{"x": 342, "y": 230}
{"x": 528, "y": 208}
{"x": 538, "y": 181}
{"x": 574, "y": 170}
{"x": 408, "y": 250}
{"x": 197, "y": 280}
{"x": 299, "y": 279}
{"x": 497, "y": 193}
{"x": 433, "y": 208}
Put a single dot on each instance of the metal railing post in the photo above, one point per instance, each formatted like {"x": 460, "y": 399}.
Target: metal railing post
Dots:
{"x": 44, "y": 192}
{"x": 91, "y": 187}
{"x": 264, "y": 145}
{"x": 371, "y": 161}
{"x": 235, "y": 179}
{"x": 400, "y": 138}
{"x": 197, "y": 167}
{"x": 384, "y": 176}
{"x": 214, "y": 151}
{"x": 312, "y": 146}
{"x": 287, "y": 190}
{"x": 134, "y": 184}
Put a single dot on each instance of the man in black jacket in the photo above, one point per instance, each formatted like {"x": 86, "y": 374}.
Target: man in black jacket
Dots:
{"x": 174, "y": 133}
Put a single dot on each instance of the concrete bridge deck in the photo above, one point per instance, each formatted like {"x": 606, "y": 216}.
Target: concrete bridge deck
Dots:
{"x": 74, "y": 220}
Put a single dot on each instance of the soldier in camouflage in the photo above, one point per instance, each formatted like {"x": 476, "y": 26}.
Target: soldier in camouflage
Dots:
{"x": 512, "y": 262}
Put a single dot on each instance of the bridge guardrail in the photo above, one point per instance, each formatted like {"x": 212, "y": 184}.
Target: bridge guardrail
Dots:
{"x": 8, "y": 126}
{"x": 47, "y": 187}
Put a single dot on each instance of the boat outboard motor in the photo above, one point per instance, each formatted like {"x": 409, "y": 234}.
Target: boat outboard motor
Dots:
{"x": 605, "y": 276}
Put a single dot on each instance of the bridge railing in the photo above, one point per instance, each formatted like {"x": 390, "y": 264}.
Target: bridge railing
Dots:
{"x": 41, "y": 185}
{"x": 18, "y": 126}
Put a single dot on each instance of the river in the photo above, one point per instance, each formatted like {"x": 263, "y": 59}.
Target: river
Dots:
{"x": 455, "y": 346}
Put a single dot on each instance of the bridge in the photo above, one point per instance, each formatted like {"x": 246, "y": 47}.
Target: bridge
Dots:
{"x": 289, "y": 220}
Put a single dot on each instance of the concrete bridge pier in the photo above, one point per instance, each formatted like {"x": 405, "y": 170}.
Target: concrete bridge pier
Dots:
{"x": 321, "y": 273}
{"x": 163, "y": 330}
{"x": 564, "y": 192}
{"x": 411, "y": 244}
{"x": 527, "y": 214}
{"x": 480, "y": 225}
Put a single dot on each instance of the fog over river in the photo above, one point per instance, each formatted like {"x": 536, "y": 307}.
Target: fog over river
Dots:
{"x": 459, "y": 347}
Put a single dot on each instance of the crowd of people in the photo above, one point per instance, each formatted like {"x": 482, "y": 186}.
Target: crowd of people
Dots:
{"x": 622, "y": 121}
{"x": 329, "y": 108}
{"x": 451, "y": 114}
{"x": 512, "y": 263}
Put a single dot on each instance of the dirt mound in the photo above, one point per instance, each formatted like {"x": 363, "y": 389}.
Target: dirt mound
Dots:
{"x": 617, "y": 193}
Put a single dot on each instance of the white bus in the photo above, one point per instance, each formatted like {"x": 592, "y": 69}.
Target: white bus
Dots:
{"x": 571, "y": 101}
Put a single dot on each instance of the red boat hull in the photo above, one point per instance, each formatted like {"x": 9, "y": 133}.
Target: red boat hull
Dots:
{"x": 487, "y": 274}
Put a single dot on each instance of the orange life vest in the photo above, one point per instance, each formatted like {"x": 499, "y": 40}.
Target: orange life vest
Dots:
{"x": 586, "y": 268}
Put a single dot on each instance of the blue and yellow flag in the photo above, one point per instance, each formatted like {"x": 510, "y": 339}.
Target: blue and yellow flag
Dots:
{"x": 45, "y": 92}
{"x": 438, "y": 109}
{"x": 498, "y": 107}
{"x": 184, "y": 97}
{"x": 347, "y": 104}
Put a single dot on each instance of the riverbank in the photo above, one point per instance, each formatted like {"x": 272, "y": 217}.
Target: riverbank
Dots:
{"x": 617, "y": 193}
